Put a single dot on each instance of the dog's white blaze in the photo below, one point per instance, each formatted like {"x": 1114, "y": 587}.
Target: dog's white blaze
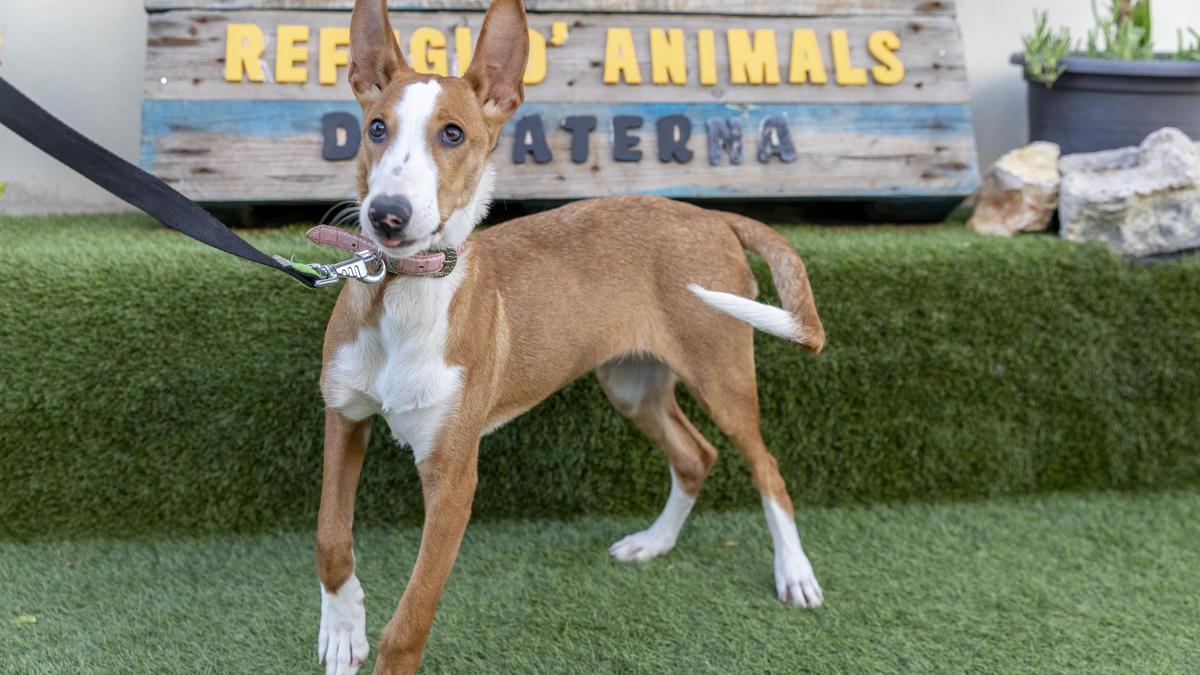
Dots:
{"x": 342, "y": 640}
{"x": 398, "y": 368}
{"x": 794, "y": 579}
{"x": 408, "y": 168}
{"x": 773, "y": 320}
{"x": 660, "y": 537}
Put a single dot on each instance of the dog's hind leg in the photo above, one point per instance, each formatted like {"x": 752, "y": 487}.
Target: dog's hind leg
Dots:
{"x": 725, "y": 387}
{"x": 721, "y": 376}
{"x": 342, "y": 641}
{"x": 643, "y": 390}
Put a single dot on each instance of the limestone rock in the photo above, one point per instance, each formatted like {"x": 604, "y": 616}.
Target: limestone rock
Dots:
{"x": 1105, "y": 160}
{"x": 1138, "y": 201}
{"x": 1020, "y": 192}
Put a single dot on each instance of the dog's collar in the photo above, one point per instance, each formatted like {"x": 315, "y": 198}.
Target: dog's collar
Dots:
{"x": 437, "y": 264}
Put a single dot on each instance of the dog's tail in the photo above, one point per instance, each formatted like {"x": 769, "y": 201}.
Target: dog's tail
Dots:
{"x": 798, "y": 320}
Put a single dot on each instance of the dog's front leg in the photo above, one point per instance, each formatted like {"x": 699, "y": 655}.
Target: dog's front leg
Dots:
{"x": 342, "y": 641}
{"x": 448, "y": 478}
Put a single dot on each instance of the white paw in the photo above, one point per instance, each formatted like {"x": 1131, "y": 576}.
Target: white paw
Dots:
{"x": 795, "y": 582}
{"x": 342, "y": 642}
{"x": 642, "y": 545}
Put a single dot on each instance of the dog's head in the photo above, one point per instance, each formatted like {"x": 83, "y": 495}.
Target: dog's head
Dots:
{"x": 423, "y": 174}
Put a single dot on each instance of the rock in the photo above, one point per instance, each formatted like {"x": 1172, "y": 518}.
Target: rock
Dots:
{"x": 1019, "y": 193}
{"x": 1139, "y": 201}
{"x": 1105, "y": 160}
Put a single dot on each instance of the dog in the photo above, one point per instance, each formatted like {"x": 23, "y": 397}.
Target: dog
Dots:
{"x": 643, "y": 291}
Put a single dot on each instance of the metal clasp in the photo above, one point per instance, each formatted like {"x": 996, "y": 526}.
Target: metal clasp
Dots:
{"x": 359, "y": 267}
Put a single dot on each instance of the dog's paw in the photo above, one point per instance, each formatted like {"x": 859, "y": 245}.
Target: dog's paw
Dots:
{"x": 642, "y": 545}
{"x": 795, "y": 582}
{"x": 342, "y": 642}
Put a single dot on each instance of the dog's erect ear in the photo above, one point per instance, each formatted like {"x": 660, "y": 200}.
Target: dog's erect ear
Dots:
{"x": 375, "y": 56}
{"x": 497, "y": 72}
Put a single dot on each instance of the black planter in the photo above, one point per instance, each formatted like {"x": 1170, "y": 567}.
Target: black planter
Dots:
{"x": 1099, "y": 104}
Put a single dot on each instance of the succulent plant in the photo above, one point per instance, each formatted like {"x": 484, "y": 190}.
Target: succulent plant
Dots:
{"x": 1123, "y": 31}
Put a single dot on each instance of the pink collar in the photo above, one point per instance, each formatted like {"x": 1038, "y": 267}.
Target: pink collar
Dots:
{"x": 430, "y": 264}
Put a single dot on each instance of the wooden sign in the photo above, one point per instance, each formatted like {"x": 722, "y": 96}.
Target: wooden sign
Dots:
{"x": 247, "y": 101}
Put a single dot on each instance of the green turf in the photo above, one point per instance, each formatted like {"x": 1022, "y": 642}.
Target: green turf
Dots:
{"x": 151, "y": 384}
{"x": 1102, "y": 583}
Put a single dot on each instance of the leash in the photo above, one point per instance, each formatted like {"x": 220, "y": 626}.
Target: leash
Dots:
{"x": 150, "y": 194}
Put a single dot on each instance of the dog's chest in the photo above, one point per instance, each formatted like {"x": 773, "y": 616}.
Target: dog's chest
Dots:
{"x": 397, "y": 367}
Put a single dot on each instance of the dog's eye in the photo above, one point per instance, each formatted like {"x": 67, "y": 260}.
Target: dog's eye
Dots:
{"x": 377, "y": 131}
{"x": 453, "y": 135}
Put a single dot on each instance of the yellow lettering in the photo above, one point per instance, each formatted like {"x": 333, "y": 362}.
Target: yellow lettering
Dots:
{"x": 706, "y": 50}
{"x": 807, "y": 63}
{"x": 754, "y": 62}
{"x": 244, "y": 47}
{"x": 462, "y": 48}
{"x": 883, "y": 45}
{"x": 847, "y": 74}
{"x": 428, "y": 48}
{"x": 291, "y": 55}
{"x": 668, "y": 63}
{"x": 535, "y": 70}
{"x": 334, "y": 53}
{"x": 559, "y": 33}
{"x": 620, "y": 57}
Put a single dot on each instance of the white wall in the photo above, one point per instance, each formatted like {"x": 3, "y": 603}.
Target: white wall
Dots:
{"x": 992, "y": 31}
{"x": 83, "y": 60}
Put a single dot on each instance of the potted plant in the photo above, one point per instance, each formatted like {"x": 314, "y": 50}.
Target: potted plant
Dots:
{"x": 1113, "y": 89}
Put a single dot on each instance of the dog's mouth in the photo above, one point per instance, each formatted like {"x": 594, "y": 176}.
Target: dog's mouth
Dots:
{"x": 399, "y": 244}
{"x": 396, "y": 243}
{"x": 401, "y": 248}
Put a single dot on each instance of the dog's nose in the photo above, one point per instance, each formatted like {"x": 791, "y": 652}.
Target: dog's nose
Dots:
{"x": 390, "y": 215}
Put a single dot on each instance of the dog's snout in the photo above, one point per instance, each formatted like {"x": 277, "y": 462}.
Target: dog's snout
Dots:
{"x": 390, "y": 215}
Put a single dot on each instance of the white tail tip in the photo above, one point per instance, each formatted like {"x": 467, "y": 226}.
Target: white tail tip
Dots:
{"x": 773, "y": 320}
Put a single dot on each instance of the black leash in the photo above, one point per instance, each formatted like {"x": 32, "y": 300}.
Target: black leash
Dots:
{"x": 140, "y": 189}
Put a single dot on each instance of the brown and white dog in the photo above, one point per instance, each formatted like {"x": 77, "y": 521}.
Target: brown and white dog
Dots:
{"x": 644, "y": 291}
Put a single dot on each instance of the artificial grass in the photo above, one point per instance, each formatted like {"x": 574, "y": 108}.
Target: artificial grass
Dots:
{"x": 1099, "y": 583}
{"x": 151, "y": 384}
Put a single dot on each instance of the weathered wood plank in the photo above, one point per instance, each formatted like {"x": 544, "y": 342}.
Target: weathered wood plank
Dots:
{"x": 739, "y": 7}
{"x": 250, "y": 151}
{"x": 186, "y": 54}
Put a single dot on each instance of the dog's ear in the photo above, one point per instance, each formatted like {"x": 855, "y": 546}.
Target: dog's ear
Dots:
{"x": 497, "y": 71}
{"x": 375, "y": 56}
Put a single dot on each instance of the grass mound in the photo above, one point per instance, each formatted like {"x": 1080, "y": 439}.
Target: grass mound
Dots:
{"x": 151, "y": 384}
{"x": 1103, "y": 583}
